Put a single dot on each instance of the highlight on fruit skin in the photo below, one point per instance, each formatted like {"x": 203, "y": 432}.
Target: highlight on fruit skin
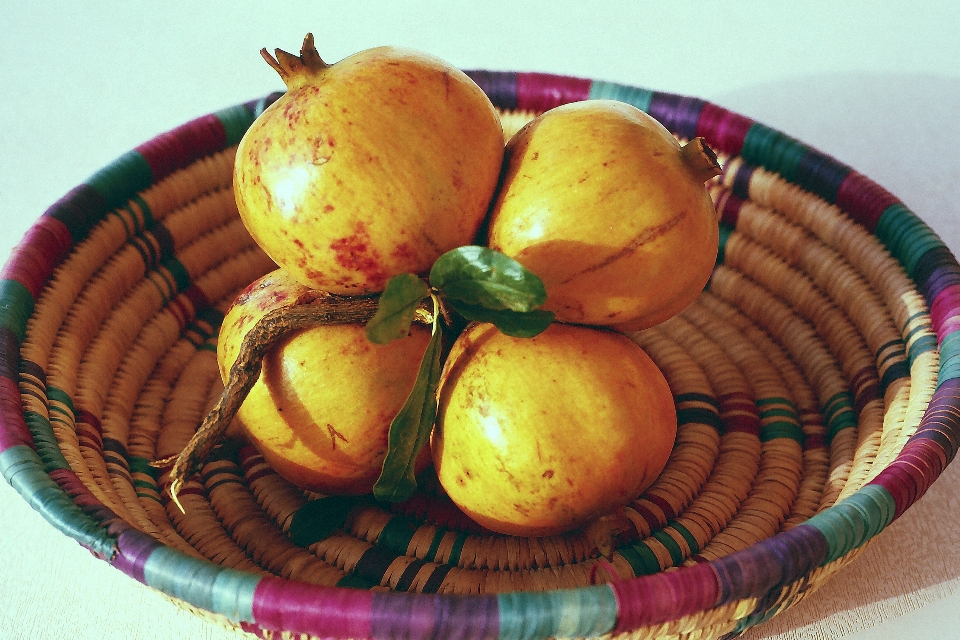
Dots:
{"x": 321, "y": 408}
{"x": 367, "y": 168}
{"x": 537, "y": 436}
{"x": 607, "y": 207}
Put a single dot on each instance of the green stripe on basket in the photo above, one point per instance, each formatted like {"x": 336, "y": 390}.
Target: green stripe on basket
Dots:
{"x": 201, "y": 583}
{"x": 457, "y": 548}
{"x": 725, "y": 231}
{"x": 907, "y": 237}
{"x": 640, "y": 98}
{"x": 130, "y": 173}
{"x": 45, "y": 441}
{"x": 860, "y": 517}
{"x": 396, "y": 535}
{"x": 839, "y": 413}
{"x": 235, "y": 120}
{"x": 16, "y": 307}
{"x": 56, "y": 397}
{"x": 144, "y": 466}
{"x": 776, "y": 407}
{"x": 773, "y": 150}
{"x": 23, "y": 470}
{"x": 641, "y": 558}
{"x": 563, "y": 613}
{"x": 676, "y": 553}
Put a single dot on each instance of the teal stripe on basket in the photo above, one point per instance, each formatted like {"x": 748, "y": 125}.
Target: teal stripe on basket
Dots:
{"x": 128, "y": 174}
{"x": 22, "y": 468}
{"x": 201, "y": 583}
{"x": 235, "y": 120}
{"x": 906, "y": 236}
{"x": 16, "y": 307}
{"x": 640, "y": 98}
{"x": 570, "y": 613}
{"x": 773, "y": 150}
{"x": 860, "y": 517}
{"x": 45, "y": 441}
{"x": 949, "y": 357}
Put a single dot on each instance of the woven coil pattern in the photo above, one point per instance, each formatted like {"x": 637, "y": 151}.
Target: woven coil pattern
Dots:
{"x": 815, "y": 380}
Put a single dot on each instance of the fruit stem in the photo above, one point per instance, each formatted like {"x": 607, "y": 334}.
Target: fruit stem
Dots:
{"x": 311, "y": 310}
{"x": 296, "y": 70}
{"x": 700, "y": 160}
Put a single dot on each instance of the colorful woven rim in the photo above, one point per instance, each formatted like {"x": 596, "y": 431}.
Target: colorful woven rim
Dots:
{"x": 816, "y": 384}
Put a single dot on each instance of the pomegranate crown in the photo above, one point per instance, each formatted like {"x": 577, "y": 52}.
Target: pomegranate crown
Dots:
{"x": 293, "y": 69}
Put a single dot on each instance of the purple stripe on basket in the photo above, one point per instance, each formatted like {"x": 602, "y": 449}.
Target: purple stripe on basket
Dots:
{"x": 679, "y": 114}
{"x": 723, "y": 130}
{"x": 945, "y": 278}
{"x": 863, "y": 199}
{"x": 396, "y": 615}
{"x": 179, "y": 147}
{"x": 133, "y": 551}
{"x": 665, "y": 596}
{"x": 769, "y": 564}
{"x": 500, "y": 87}
{"x": 13, "y": 427}
{"x": 543, "y": 91}
{"x": 821, "y": 174}
{"x": 741, "y": 180}
{"x": 257, "y": 106}
{"x": 928, "y": 452}
{"x": 326, "y": 612}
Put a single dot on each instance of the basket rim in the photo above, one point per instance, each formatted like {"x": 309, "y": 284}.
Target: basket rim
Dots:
{"x": 255, "y": 602}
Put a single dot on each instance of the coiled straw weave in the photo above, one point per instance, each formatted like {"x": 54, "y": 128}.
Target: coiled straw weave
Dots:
{"x": 815, "y": 379}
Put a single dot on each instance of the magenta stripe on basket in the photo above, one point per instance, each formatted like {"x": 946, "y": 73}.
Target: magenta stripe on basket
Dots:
{"x": 326, "y": 612}
{"x": 179, "y": 147}
{"x": 542, "y": 91}
{"x": 665, "y": 596}
{"x": 945, "y": 311}
{"x": 42, "y": 248}
{"x": 722, "y": 129}
{"x": 13, "y": 427}
{"x": 133, "y": 551}
{"x": 864, "y": 199}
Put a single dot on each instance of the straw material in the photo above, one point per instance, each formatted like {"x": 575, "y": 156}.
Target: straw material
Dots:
{"x": 815, "y": 382}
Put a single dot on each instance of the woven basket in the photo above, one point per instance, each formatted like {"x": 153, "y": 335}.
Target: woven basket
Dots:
{"x": 816, "y": 385}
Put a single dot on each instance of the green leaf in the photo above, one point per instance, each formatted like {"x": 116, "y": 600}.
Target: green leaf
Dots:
{"x": 396, "y": 308}
{"x": 410, "y": 429}
{"x": 513, "y": 323}
{"x": 481, "y": 276}
{"x": 318, "y": 519}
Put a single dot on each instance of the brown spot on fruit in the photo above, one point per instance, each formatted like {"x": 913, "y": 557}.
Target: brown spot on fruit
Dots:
{"x": 547, "y": 474}
{"x": 334, "y": 435}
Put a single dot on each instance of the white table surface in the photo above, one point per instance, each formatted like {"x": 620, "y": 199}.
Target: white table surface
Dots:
{"x": 875, "y": 84}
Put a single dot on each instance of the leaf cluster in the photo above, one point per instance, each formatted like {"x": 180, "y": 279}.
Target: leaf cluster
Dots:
{"x": 481, "y": 285}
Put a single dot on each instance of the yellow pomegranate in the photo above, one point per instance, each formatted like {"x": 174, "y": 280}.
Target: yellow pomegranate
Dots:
{"x": 536, "y": 436}
{"x": 367, "y": 168}
{"x": 322, "y": 406}
{"x": 602, "y": 203}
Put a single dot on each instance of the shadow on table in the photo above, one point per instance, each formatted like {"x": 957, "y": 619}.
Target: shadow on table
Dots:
{"x": 902, "y": 132}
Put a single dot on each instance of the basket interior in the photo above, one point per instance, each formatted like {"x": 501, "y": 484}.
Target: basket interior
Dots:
{"x": 814, "y": 380}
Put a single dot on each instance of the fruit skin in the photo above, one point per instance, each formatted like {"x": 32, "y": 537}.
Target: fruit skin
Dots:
{"x": 367, "y": 168}
{"x": 598, "y": 201}
{"x": 536, "y": 436}
{"x": 321, "y": 409}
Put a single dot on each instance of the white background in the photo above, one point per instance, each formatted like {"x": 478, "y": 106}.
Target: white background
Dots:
{"x": 875, "y": 84}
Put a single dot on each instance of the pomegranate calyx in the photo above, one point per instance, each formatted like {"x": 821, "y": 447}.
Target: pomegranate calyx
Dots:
{"x": 296, "y": 70}
{"x": 700, "y": 160}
